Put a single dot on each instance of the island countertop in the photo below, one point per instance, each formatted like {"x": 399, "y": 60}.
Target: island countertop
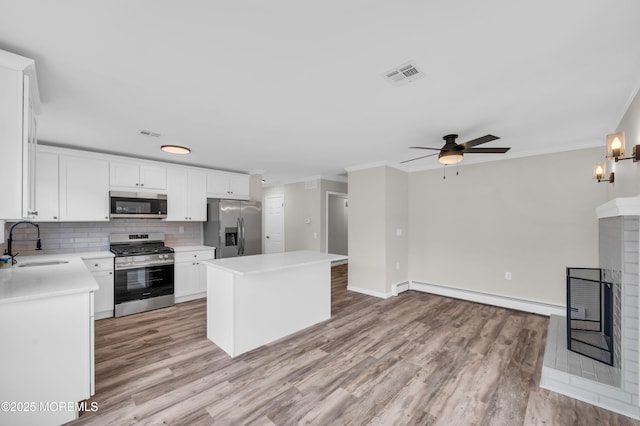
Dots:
{"x": 18, "y": 284}
{"x": 272, "y": 262}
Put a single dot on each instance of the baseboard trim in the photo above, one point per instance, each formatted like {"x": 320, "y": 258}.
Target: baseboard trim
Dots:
{"x": 368, "y": 292}
{"x": 190, "y": 297}
{"x": 539, "y": 308}
{"x": 396, "y": 289}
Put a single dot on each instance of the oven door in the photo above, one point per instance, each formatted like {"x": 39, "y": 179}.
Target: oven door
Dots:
{"x": 142, "y": 282}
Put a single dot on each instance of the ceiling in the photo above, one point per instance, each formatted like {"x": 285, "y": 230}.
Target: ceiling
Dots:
{"x": 295, "y": 88}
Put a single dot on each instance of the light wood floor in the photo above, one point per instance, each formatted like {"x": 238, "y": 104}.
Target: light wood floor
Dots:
{"x": 412, "y": 359}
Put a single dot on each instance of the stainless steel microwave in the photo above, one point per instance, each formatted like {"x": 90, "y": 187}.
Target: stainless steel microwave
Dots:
{"x": 140, "y": 205}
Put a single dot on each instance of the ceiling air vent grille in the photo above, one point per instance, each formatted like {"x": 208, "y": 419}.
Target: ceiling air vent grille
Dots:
{"x": 148, "y": 133}
{"x": 403, "y": 74}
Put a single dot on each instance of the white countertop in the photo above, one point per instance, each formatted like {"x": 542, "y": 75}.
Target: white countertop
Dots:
{"x": 182, "y": 249}
{"x": 271, "y": 262}
{"x": 19, "y": 284}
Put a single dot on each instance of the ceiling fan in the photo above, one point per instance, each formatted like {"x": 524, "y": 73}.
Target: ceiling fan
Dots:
{"x": 452, "y": 152}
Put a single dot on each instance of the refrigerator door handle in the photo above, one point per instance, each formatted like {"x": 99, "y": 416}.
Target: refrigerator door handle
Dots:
{"x": 239, "y": 236}
{"x": 243, "y": 234}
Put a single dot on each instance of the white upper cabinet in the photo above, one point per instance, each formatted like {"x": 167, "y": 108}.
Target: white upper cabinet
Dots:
{"x": 84, "y": 189}
{"x": 228, "y": 185}
{"x": 186, "y": 195}
{"x": 137, "y": 176}
{"x": 47, "y": 187}
{"x": 19, "y": 100}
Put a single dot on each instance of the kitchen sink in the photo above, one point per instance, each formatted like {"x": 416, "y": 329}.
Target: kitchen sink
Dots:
{"x": 42, "y": 263}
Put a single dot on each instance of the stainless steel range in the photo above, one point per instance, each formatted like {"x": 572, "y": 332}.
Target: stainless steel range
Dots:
{"x": 143, "y": 268}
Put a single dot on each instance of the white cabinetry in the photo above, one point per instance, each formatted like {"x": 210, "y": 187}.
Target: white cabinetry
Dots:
{"x": 102, "y": 271}
{"x": 143, "y": 176}
{"x": 228, "y": 185}
{"x": 18, "y": 101}
{"x": 190, "y": 278}
{"x": 47, "y": 186}
{"x": 84, "y": 189}
{"x": 186, "y": 195}
{"x": 47, "y": 357}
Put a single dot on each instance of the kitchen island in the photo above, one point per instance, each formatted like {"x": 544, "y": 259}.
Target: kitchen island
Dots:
{"x": 255, "y": 300}
{"x": 46, "y": 330}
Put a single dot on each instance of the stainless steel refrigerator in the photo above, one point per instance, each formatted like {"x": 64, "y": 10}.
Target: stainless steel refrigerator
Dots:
{"x": 233, "y": 227}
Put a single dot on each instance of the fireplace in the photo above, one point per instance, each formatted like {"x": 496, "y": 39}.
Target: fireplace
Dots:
{"x": 591, "y": 313}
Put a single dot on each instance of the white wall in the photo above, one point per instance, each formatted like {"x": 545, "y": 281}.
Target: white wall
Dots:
{"x": 530, "y": 216}
{"x": 377, "y": 209}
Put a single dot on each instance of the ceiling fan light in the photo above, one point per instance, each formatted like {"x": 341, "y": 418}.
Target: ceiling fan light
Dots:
{"x": 450, "y": 157}
{"x": 175, "y": 149}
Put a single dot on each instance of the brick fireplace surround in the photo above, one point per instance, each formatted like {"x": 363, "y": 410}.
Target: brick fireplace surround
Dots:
{"x": 614, "y": 388}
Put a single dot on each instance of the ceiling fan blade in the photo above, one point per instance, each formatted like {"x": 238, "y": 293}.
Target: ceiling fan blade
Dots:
{"x": 478, "y": 141}
{"x": 486, "y": 150}
{"x": 418, "y": 158}
{"x": 425, "y": 147}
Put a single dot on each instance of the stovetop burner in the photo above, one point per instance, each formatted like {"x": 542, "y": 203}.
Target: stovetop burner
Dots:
{"x": 138, "y": 244}
{"x": 131, "y": 250}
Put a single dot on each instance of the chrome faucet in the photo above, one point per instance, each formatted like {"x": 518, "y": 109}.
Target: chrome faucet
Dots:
{"x": 10, "y": 239}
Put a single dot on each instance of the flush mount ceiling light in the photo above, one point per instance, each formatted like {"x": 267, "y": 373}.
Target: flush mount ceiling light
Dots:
{"x": 175, "y": 149}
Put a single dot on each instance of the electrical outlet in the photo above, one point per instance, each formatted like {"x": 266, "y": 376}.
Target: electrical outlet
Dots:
{"x": 507, "y": 276}
{"x": 181, "y": 230}
{"x": 397, "y": 265}
{"x": 315, "y": 235}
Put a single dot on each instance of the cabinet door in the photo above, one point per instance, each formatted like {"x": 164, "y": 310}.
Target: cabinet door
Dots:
{"x": 47, "y": 187}
{"x": 197, "y": 196}
{"x": 183, "y": 278}
{"x": 84, "y": 189}
{"x": 29, "y": 142}
{"x": 217, "y": 185}
{"x": 239, "y": 186}
{"x": 177, "y": 196}
{"x": 153, "y": 177}
{"x": 200, "y": 282}
{"x": 104, "y": 296}
{"x": 124, "y": 174}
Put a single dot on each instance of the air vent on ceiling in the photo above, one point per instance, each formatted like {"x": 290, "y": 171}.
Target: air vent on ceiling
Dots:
{"x": 148, "y": 133}
{"x": 403, "y": 74}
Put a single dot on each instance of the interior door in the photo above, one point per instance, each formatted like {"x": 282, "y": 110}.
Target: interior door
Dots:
{"x": 274, "y": 224}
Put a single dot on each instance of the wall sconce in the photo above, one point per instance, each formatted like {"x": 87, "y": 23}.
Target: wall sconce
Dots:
{"x": 600, "y": 170}
{"x": 616, "y": 148}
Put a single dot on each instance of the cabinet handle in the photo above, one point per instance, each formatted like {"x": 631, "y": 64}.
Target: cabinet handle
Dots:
{"x": 142, "y": 184}
{"x": 137, "y": 184}
{"x": 55, "y": 217}
{"x": 95, "y": 264}
{"x": 110, "y": 273}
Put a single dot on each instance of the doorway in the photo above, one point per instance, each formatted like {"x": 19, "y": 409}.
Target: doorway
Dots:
{"x": 337, "y": 241}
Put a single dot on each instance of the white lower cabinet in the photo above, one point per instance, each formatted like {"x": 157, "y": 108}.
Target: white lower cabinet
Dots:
{"x": 190, "y": 278}
{"x": 46, "y": 360}
{"x": 102, "y": 271}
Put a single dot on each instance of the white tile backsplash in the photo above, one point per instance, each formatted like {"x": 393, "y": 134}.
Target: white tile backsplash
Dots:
{"x": 73, "y": 237}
